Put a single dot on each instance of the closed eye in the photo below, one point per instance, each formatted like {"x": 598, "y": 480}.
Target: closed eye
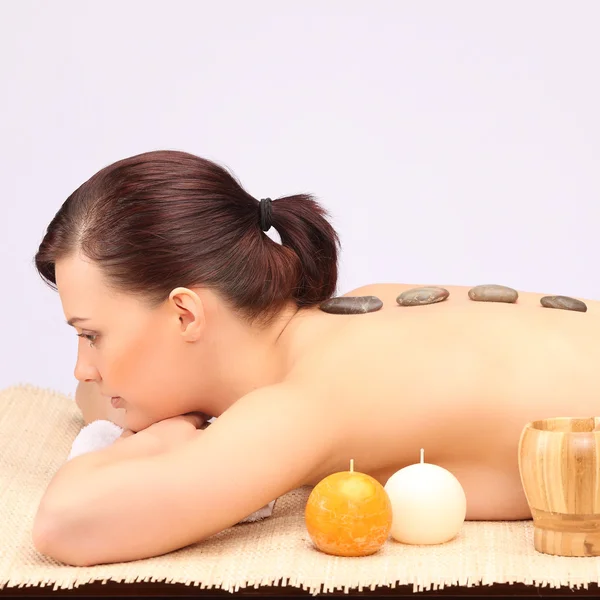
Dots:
{"x": 87, "y": 336}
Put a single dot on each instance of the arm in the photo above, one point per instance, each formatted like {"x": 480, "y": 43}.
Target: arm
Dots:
{"x": 66, "y": 483}
{"x": 152, "y": 505}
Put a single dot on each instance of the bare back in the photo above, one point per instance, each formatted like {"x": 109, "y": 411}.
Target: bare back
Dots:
{"x": 458, "y": 378}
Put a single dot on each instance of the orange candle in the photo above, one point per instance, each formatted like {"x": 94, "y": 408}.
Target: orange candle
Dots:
{"x": 348, "y": 514}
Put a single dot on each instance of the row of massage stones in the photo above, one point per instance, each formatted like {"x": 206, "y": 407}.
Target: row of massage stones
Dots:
{"x": 353, "y": 305}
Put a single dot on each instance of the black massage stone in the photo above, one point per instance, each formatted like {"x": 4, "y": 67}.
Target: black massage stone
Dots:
{"x": 422, "y": 295}
{"x": 493, "y": 293}
{"x": 351, "y": 305}
{"x": 563, "y": 302}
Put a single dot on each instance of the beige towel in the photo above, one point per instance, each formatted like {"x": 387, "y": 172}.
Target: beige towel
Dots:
{"x": 37, "y": 429}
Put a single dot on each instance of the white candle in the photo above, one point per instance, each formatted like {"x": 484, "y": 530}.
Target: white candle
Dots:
{"x": 428, "y": 504}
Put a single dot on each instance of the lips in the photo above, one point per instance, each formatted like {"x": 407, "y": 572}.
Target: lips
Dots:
{"x": 117, "y": 401}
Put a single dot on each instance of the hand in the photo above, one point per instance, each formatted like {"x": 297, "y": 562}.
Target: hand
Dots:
{"x": 172, "y": 432}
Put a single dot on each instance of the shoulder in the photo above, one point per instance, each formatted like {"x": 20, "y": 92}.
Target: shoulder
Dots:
{"x": 265, "y": 445}
{"x": 278, "y": 425}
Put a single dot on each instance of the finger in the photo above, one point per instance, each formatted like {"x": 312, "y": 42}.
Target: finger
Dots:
{"x": 126, "y": 433}
{"x": 197, "y": 419}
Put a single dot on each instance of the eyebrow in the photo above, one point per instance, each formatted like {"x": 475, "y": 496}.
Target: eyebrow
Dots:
{"x": 74, "y": 320}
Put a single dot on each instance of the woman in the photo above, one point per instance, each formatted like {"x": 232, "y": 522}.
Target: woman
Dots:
{"x": 185, "y": 307}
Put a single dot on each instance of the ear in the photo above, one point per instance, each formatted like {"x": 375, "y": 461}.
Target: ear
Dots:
{"x": 189, "y": 310}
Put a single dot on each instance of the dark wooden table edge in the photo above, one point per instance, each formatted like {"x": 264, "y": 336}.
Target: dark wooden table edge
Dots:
{"x": 113, "y": 589}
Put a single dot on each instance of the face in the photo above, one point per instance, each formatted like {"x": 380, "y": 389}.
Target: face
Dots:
{"x": 147, "y": 357}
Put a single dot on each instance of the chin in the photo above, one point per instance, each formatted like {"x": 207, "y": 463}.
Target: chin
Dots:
{"x": 136, "y": 422}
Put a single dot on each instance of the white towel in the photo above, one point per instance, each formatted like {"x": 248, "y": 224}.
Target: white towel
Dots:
{"x": 100, "y": 434}
{"x": 95, "y": 436}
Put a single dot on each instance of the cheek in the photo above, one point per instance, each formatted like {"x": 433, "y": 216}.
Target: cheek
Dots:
{"x": 146, "y": 373}
{"x": 129, "y": 370}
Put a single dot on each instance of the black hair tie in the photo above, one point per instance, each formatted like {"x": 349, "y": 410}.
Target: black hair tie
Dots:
{"x": 266, "y": 214}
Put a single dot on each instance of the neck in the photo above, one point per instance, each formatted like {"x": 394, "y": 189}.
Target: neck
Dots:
{"x": 246, "y": 358}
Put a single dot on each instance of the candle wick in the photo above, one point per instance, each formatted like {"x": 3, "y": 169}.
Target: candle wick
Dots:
{"x": 422, "y": 454}
{"x": 351, "y": 465}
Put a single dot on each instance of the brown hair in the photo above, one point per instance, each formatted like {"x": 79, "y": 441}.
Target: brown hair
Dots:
{"x": 163, "y": 219}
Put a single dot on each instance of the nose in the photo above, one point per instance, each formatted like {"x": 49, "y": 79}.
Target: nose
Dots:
{"x": 85, "y": 371}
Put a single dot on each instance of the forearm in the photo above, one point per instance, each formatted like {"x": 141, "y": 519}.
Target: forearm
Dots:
{"x": 95, "y": 522}
{"x": 89, "y": 485}
{"x": 67, "y": 482}
{"x": 132, "y": 445}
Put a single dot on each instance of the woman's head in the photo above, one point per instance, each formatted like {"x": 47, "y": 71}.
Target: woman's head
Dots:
{"x": 139, "y": 229}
